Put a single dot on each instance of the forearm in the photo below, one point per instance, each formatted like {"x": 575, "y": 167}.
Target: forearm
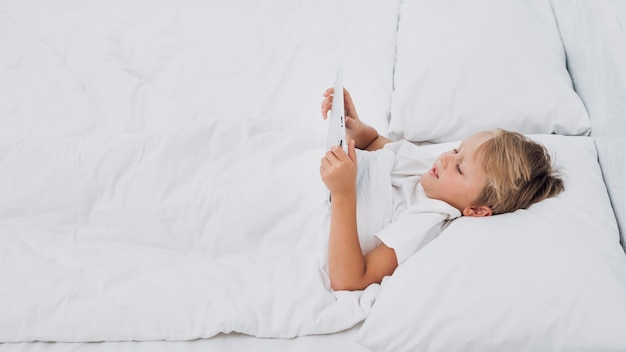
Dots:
{"x": 378, "y": 143}
{"x": 346, "y": 263}
{"x": 369, "y": 139}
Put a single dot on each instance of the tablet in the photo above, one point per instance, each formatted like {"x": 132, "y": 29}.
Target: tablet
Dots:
{"x": 337, "y": 121}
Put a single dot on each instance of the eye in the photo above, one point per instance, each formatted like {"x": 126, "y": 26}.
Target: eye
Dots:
{"x": 456, "y": 151}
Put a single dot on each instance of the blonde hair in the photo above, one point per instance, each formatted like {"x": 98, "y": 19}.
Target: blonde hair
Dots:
{"x": 519, "y": 172}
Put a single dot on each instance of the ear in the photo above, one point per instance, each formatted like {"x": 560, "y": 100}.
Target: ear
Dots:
{"x": 477, "y": 211}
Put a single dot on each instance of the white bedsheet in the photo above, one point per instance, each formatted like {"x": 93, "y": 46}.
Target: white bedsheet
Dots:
{"x": 174, "y": 235}
{"x": 340, "y": 341}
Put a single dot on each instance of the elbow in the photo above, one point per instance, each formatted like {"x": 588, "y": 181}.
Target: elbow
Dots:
{"x": 338, "y": 284}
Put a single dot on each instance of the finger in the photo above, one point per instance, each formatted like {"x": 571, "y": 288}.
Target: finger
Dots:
{"x": 331, "y": 156}
{"x": 349, "y": 121}
{"x": 352, "y": 151}
{"x": 347, "y": 97}
{"x": 346, "y": 94}
{"x": 324, "y": 162}
{"x": 339, "y": 153}
{"x": 329, "y": 91}
{"x": 326, "y": 105}
{"x": 323, "y": 173}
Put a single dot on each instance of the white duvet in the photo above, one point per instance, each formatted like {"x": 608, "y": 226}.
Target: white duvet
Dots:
{"x": 159, "y": 164}
{"x": 173, "y": 235}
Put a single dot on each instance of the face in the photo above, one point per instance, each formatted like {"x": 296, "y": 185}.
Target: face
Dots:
{"x": 457, "y": 176}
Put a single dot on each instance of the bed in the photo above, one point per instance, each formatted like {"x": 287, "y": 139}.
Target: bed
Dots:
{"x": 160, "y": 180}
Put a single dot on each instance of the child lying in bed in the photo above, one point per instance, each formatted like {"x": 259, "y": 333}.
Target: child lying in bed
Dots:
{"x": 491, "y": 172}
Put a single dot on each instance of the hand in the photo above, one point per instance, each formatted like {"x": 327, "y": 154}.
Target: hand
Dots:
{"x": 352, "y": 119}
{"x": 356, "y": 130}
{"x": 338, "y": 170}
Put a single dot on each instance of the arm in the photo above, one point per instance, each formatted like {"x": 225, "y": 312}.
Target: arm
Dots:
{"x": 348, "y": 268}
{"x": 366, "y": 137}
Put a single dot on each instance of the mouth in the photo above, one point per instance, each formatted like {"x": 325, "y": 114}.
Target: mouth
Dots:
{"x": 434, "y": 173}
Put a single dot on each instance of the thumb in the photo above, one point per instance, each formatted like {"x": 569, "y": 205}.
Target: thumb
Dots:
{"x": 352, "y": 151}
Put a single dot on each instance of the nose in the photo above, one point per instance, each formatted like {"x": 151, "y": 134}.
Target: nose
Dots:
{"x": 445, "y": 160}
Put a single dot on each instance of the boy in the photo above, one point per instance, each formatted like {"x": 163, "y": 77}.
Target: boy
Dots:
{"x": 491, "y": 172}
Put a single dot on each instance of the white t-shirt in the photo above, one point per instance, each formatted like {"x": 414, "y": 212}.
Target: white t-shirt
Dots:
{"x": 392, "y": 207}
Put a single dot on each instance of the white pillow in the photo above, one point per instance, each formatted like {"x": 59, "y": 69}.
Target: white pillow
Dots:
{"x": 464, "y": 66}
{"x": 549, "y": 278}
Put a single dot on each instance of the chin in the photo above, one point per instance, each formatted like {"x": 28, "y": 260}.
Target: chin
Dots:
{"x": 428, "y": 192}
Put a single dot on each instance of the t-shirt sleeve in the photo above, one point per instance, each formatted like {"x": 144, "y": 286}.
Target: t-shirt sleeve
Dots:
{"x": 416, "y": 227}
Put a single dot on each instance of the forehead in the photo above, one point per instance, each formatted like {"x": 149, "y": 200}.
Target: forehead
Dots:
{"x": 473, "y": 155}
{"x": 475, "y": 140}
